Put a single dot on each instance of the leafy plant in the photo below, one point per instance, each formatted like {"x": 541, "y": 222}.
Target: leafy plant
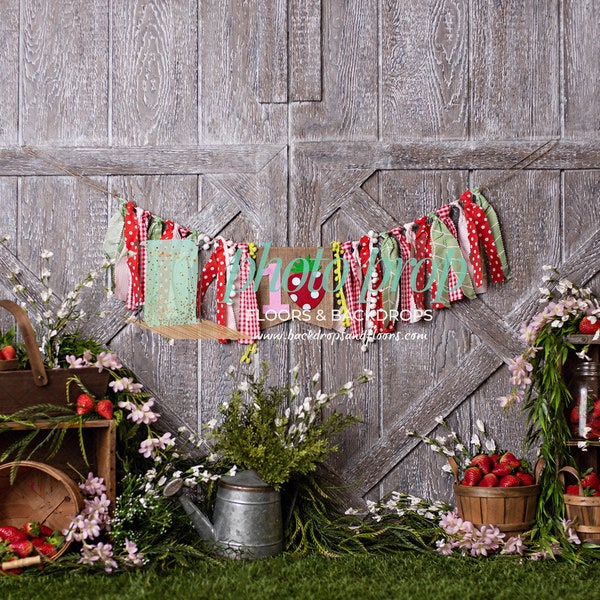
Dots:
{"x": 267, "y": 428}
{"x": 539, "y": 387}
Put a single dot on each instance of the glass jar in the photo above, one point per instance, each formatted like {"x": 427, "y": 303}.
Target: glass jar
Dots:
{"x": 584, "y": 412}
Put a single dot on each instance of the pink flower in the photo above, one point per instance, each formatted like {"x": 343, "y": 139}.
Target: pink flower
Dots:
{"x": 107, "y": 360}
{"x": 125, "y": 384}
{"x": 73, "y": 362}
{"x": 142, "y": 414}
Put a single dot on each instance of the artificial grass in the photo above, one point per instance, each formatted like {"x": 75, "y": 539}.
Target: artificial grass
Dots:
{"x": 373, "y": 576}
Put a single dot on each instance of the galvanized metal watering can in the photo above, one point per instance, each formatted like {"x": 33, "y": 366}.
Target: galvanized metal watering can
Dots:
{"x": 247, "y": 519}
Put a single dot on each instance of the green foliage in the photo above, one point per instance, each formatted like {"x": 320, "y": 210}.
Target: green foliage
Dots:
{"x": 266, "y": 429}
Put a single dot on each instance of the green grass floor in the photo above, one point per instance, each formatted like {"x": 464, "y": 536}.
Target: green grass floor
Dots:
{"x": 406, "y": 575}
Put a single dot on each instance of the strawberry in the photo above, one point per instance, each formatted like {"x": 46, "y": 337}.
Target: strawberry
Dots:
{"x": 489, "y": 480}
{"x": 510, "y": 459}
{"x": 31, "y": 528}
{"x": 572, "y": 490}
{"x": 84, "y": 404}
{"x": 483, "y": 461}
{"x": 45, "y": 530}
{"x": 596, "y": 409}
{"x": 105, "y": 409}
{"x": 574, "y": 417}
{"x": 305, "y": 284}
{"x": 22, "y": 548}
{"x": 509, "y": 481}
{"x": 12, "y": 534}
{"x": 472, "y": 476}
{"x": 46, "y": 548}
{"x": 525, "y": 478}
{"x": 495, "y": 458}
{"x": 8, "y": 353}
{"x": 502, "y": 470}
{"x": 589, "y": 325}
{"x": 590, "y": 480}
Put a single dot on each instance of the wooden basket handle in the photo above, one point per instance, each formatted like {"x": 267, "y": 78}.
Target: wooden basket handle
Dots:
{"x": 454, "y": 467}
{"x": 539, "y": 467}
{"x": 40, "y": 378}
{"x": 575, "y": 474}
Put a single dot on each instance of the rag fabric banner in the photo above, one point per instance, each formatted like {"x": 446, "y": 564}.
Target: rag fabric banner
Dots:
{"x": 366, "y": 287}
{"x": 171, "y": 281}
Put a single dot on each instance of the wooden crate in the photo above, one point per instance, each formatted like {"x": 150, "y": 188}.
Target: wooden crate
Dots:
{"x": 99, "y": 438}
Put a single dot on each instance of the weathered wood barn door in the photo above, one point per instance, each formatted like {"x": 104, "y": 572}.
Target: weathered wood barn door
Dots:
{"x": 298, "y": 123}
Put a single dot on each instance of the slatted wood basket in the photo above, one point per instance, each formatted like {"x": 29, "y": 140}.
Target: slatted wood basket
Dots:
{"x": 38, "y": 493}
{"x": 22, "y": 388}
{"x": 511, "y": 509}
{"x": 584, "y": 511}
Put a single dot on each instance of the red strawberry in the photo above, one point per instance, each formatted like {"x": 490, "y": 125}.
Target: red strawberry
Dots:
{"x": 574, "y": 418}
{"x": 45, "y": 530}
{"x": 502, "y": 470}
{"x": 495, "y": 458}
{"x": 8, "y": 353}
{"x": 483, "y": 461}
{"x": 305, "y": 284}
{"x": 525, "y": 478}
{"x": 12, "y": 534}
{"x": 472, "y": 476}
{"x": 590, "y": 480}
{"x": 46, "y": 548}
{"x": 105, "y": 408}
{"x": 84, "y": 404}
{"x": 596, "y": 409}
{"x": 589, "y": 325}
{"x": 510, "y": 459}
{"x": 489, "y": 480}
{"x": 31, "y": 528}
{"x": 572, "y": 490}
{"x": 22, "y": 548}
{"x": 509, "y": 481}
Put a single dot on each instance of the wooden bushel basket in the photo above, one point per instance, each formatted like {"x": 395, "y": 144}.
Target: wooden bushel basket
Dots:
{"x": 39, "y": 493}
{"x": 23, "y": 388}
{"x": 510, "y": 509}
{"x": 584, "y": 511}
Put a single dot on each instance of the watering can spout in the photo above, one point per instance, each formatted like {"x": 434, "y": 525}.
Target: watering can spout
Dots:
{"x": 200, "y": 521}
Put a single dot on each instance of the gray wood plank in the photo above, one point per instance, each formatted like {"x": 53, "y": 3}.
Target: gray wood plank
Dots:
{"x": 272, "y": 51}
{"x": 514, "y": 47}
{"x": 9, "y": 73}
{"x": 139, "y": 160}
{"x": 348, "y": 107}
{"x": 154, "y": 72}
{"x": 581, "y": 58}
{"x": 305, "y": 51}
{"x": 228, "y": 62}
{"x": 425, "y": 71}
{"x": 64, "y": 73}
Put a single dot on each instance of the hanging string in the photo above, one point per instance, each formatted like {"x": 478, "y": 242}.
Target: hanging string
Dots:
{"x": 48, "y": 158}
{"x": 522, "y": 163}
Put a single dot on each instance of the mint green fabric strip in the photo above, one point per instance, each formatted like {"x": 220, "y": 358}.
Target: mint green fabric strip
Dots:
{"x": 389, "y": 253}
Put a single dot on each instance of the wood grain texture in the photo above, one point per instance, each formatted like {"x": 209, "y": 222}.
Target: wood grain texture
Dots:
{"x": 9, "y": 73}
{"x": 273, "y": 51}
{"x": 305, "y": 50}
{"x": 229, "y": 108}
{"x": 64, "y": 72}
{"x": 348, "y": 107}
{"x": 425, "y": 71}
{"x": 581, "y": 23}
{"x": 139, "y": 160}
{"x": 514, "y": 47}
{"x": 154, "y": 72}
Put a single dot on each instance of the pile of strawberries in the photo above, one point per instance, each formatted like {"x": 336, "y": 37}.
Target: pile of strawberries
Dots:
{"x": 590, "y": 484}
{"x": 32, "y": 539}
{"x": 497, "y": 470}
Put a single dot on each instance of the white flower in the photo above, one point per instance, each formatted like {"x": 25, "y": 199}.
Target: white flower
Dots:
{"x": 47, "y": 254}
{"x": 490, "y": 445}
{"x": 480, "y": 425}
{"x": 439, "y": 420}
